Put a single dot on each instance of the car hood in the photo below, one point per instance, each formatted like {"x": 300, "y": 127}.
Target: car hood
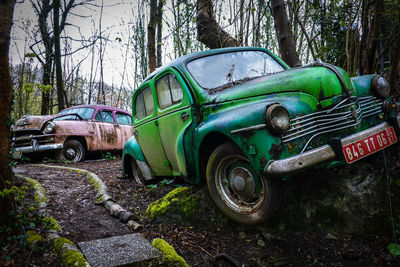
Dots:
{"x": 32, "y": 122}
{"x": 320, "y": 82}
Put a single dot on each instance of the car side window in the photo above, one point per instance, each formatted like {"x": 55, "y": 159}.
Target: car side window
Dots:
{"x": 98, "y": 117}
{"x": 107, "y": 116}
{"x": 123, "y": 118}
{"x": 169, "y": 91}
{"x": 144, "y": 103}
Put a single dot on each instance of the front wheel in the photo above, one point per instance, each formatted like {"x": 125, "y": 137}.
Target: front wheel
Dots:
{"x": 73, "y": 151}
{"x": 236, "y": 189}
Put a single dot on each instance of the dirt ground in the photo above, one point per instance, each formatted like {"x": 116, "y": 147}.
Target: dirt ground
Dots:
{"x": 71, "y": 202}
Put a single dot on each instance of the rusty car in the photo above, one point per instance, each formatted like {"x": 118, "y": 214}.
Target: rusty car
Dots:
{"x": 243, "y": 121}
{"x": 73, "y": 132}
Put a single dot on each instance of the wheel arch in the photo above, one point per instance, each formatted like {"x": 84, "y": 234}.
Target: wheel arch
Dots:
{"x": 78, "y": 138}
{"x": 131, "y": 151}
{"x": 208, "y": 144}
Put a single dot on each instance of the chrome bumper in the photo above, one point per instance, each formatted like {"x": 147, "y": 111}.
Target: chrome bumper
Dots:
{"x": 30, "y": 149}
{"x": 318, "y": 155}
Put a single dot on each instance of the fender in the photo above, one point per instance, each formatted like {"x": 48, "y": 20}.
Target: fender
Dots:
{"x": 132, "y": 149}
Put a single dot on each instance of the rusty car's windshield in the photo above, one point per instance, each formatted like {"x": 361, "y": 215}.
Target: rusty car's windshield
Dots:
{"x": 85, "y": 113}
{"x": 214, "y": 71}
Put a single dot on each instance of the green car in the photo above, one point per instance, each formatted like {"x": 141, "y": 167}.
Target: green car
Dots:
{"x": 244, "y": 121}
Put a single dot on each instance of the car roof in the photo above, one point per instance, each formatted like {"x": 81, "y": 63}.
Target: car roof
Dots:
{"x": 99, "y": 106}
{"x": 180, "y": 62}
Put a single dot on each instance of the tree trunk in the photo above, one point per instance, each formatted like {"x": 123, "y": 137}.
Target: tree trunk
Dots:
{"x": 208, "y": 30}
{"x": 151, "y": 35}
{"x": 6, "y": 15}
{"x": 287, "y": 48}
{"x": 394, "y": 73}
{"x": 57, "y": 54}
{"x": 373, "y": 38}
{"x": 159, "y": 32}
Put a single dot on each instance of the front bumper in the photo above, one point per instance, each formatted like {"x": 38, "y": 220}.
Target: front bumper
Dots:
{"x": 39, "y": 148}
{"x": 318, "y": 155}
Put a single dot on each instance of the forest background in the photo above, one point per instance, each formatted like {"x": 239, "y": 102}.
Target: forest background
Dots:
{"x": 104, "y": 49}
{"x": 62, "y": 54}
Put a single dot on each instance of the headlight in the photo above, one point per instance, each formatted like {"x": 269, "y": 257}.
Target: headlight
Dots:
{"x": 277, "y": 118}
{"x": 380, "y": 86}
{"x": 49, "y": 127}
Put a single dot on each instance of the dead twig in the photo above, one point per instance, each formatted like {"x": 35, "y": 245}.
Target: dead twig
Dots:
{"x": 203, "y": 249}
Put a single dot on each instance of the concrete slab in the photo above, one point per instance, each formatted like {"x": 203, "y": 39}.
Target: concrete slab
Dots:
{"x": 127, "y": 250}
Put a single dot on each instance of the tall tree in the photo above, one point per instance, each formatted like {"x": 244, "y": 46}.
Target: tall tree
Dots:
{"x": 43, "y": 9}
{"x": 287, "y": 48}
{"x": 159, "y": 32}
{"x": 6, "y": 15}
{"x": 151, "y": 35}
{"x": 209, "y": 32}
{"x": 57, "y": 55}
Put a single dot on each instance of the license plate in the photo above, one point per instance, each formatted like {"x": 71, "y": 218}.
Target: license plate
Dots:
{"x": 369, "y": 145}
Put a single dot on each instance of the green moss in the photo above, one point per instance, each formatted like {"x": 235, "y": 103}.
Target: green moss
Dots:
{"x": 40, "y": 192}
{"x": 59, "y": 243}
{"x": 51, "y": 224}
{"x": 73, "y": 258}
{"x": 171, "y": 257}
{"x": 189, "y": 205}
{"x": 179, "y": 196}
{"x": 32, "y": 238}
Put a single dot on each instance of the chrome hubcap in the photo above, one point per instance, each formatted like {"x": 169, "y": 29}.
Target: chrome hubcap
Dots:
{"x": 242, "y": 182}
{"x": 237, "y": 186}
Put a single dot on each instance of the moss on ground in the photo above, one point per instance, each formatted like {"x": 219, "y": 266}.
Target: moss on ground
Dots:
{"x": 40, "y": 192}
{"x": 171, "y": 258}
{"x": 51, "y": 224}
{"x": 181, "y": 199}
{"x": 59, "y": 243}
{"x": 73, "y": 258}
{"x": 33, "y": 238}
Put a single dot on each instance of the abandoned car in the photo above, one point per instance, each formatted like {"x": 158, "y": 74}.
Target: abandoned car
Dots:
{"x": 245, "y": 121}
{"x": 73, "y": 132}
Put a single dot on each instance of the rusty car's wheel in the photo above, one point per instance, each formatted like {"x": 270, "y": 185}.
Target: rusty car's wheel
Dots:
{"x": 73, "y": 151}
{"x": 237, "y": 190}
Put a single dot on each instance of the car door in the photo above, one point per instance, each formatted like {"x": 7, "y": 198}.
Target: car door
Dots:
{"x": 146, "y": 131}
{"x": 106, "y": 129}
{"x": 174, "y": 116}
{"x": 124, "y": 127}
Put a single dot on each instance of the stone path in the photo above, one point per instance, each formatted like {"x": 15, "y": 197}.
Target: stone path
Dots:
{"x": 104, "y": 240}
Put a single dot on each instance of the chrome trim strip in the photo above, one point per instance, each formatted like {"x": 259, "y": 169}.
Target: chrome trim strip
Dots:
{"x": 318, "y": 155}
{"x": 255, "y": 127}
{"x": 30, "y": 149}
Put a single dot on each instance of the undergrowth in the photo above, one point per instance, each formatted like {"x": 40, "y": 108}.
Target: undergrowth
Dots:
{"x": 21, "y": 219}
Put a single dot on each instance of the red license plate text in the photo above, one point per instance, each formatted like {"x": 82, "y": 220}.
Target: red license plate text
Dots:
{"x": 369, "y": 145}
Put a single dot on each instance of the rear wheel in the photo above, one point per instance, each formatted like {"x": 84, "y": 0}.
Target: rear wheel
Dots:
{"x": 237, "y": 190}
{"x": 137, "y": 173}
{"x": 73, "y": 151}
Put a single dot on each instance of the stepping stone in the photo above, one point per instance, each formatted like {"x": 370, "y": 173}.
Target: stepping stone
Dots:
{"x": 131, "y": 250}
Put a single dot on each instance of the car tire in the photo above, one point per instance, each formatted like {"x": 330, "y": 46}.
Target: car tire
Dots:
{"x": 237, "y": 191}
{"x": 73, "y": 150}
{"x": 137, "y": 173}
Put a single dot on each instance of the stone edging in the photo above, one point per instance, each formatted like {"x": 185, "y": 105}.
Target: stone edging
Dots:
{"x": 65, "y": 249}
{"x": 102, "y": 196}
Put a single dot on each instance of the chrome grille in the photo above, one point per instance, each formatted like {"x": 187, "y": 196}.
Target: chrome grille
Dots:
{"x": 348, "y": 113}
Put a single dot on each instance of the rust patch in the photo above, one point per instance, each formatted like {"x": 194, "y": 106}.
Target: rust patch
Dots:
{"x": 276, "y": 151}
{"x": 263, "y": 161}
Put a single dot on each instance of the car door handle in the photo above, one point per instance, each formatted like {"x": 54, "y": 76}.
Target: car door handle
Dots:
{"x": 184, "y": 116}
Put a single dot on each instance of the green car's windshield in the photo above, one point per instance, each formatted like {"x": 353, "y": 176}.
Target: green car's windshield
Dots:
{"x": 85, "y": 113}
{"x": 215, "y": 71}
